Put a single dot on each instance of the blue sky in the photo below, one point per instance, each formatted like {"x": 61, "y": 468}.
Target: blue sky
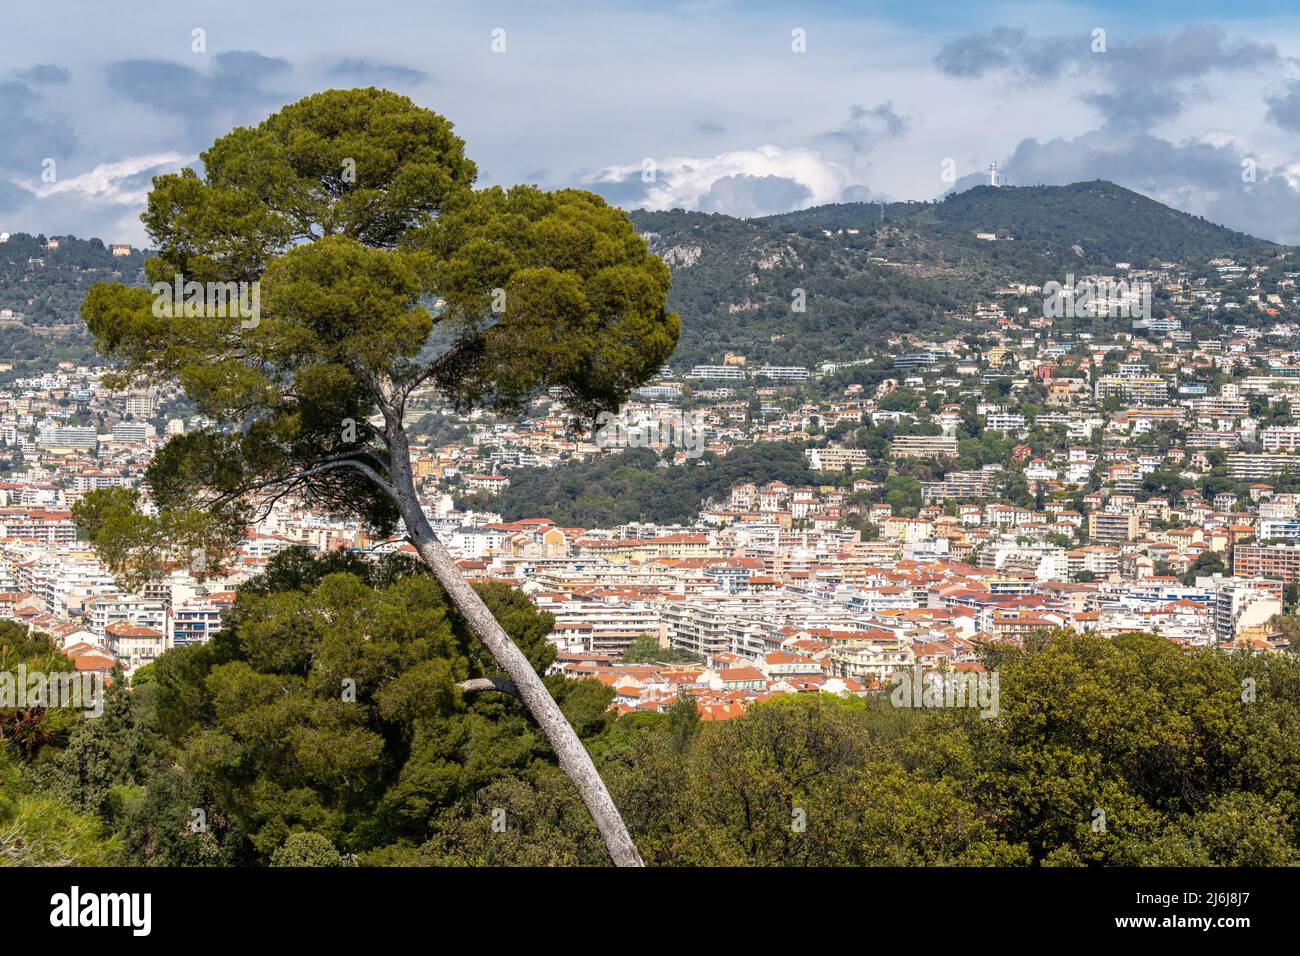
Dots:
{"x": 883, "y": 100}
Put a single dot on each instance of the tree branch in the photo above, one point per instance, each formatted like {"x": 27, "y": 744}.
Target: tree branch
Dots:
{"x": 433, "y": 368}
{"x": 360, "y": 466}
{"x": 489, "y": 683}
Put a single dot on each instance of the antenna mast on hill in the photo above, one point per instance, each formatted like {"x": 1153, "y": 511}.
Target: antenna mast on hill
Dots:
{"x": 993, "y": 173}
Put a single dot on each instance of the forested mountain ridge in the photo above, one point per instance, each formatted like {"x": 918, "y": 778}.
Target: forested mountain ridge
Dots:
{"x": 736, "y": 282}
{"x": 43, "y": 287}
{"x": 870, "y": 270}
{"x": 864, "y": 271}
{"x": 1107, "y": 223}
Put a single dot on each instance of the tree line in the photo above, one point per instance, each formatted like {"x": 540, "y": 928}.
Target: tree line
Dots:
{"x": 327, "y": 724}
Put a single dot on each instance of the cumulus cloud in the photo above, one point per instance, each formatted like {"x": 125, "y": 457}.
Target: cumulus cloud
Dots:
{"x": 104, "y": 201}
{"x": 359, "y": 69}
{"x": 1007, "y": 48}
{"x": 235, "y": 79}
{"x": 1136, "y": 106}
{"x": 1143, "y": 72}
{"x": 124, "y": 182}
{"x": 752, "y": 178}
{"x": 749, "y": 196}
{"x": 30, "y": 134}
{"x": 769, "y": 179}
{"x": 1284, "y": 108}
{"x": 866, "y": 127}
{"x": 44, "y": 73}
{"x": 1194, "y": 51}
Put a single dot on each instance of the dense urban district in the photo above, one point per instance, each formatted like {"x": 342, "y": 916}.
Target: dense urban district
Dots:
{"x": 745, "y": 542}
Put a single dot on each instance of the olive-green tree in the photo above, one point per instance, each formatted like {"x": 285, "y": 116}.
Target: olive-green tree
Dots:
{"x": 330, "y": 262}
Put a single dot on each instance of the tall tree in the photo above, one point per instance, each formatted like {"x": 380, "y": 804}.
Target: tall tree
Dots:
{"x": 372, "y": 267}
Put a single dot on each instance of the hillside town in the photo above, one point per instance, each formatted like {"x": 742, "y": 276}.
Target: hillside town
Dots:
{"x": 1034, "y": 473}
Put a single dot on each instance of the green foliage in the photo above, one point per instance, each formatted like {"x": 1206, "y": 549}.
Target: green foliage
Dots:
{"x": 39, "y": 825}
{"x": 583, "y": 298}
{"x": 512, "y": 822}
{"x": 333, "y": 708}
{"x": 354, "y": 212}
{"x": 646, "y": 650}
{"x": 30, "y": 730}
{"x": 797, "y": 781}
{"x": 1238, "y": 829}
{"x": 173, "y": 820}
{"x": 38, "y": 829}
{"x": 614, "y": 489}
{"x": 903, "y": 494}
{"x": 247, "y": 750}
{"x": 107, "y": 756}
{"x": 136, "y": 545}
{"x": 306, "y": 849}
{"x": 1160, "y": 741}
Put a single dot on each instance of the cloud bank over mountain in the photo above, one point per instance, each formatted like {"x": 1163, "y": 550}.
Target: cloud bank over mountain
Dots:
{"x": 708, "y": 107}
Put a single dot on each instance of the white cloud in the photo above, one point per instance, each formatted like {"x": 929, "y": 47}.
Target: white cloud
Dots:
{"x": 117, "y": 182}
{"x": 683, "y": 182}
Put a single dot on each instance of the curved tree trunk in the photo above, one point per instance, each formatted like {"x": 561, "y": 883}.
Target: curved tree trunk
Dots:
{"x": 573, "y": 756}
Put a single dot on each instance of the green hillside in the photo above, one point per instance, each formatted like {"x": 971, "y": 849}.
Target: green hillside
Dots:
{"x": 735, "y": 283}
{"x": 1107, "y": 224}
{"x": 884, "y": 269}
{"x": 898, "y": 267}
{"x": 43, "y": 288}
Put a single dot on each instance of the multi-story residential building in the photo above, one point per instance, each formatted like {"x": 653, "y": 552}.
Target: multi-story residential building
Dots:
{"x": 605, "y": 626}
{"x": 1012, "y": 422}
{"x": 125, "y": 608}
{"x": 722, "y": 373}
{"x": 142, "y": 404}
{"x": 130, "y": 433}
{"x": 837, "y": 459}
{"x": 75, "y": 437}
{"x": 1279, "y": 529}
{"x": 195, "y": 622}
{"x": 787, "y": 373}
{"x": 1243, "y": 604}
{"x": 1220, "y": 407}
{"x": 1140, "y": 389}
{"x": 957, "y": 485}
{"x": 923, "y": 446}
{"x": 135, "y": 645}
{"x": 1244, "y": 466}
{"x": 1281, "y": 438}
{"x": 1279, "y": 562}
{"x": 1112, "y": 527}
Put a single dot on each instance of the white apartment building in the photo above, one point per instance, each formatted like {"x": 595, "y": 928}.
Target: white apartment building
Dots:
{"x": 101, "y": 612}
{"x": 601, "y": 626}
{"x": 1281, "y": 438}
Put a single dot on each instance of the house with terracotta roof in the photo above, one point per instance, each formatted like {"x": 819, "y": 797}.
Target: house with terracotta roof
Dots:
{"x": 90, "y": 658}
{"x": 735, "y": 678}
{"x": 134, "y": 644}
{"x": 779, "y": 664}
